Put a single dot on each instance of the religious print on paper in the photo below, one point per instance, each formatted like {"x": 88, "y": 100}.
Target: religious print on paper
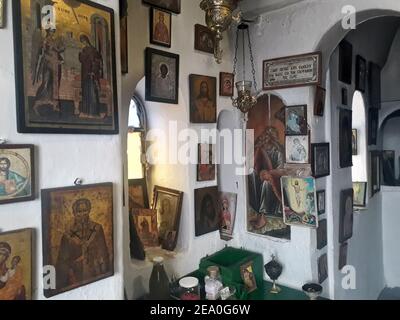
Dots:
{"x": 66, "y": 75}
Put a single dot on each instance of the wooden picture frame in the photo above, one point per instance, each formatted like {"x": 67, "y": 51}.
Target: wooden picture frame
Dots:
{"x": 361, "y": 73}
{"x": 373, "y": 119}
{"x": 168, "y": 203}
{"x": 360, "y": 194}
{"x": 248, "y": 277}
{"x": 345, "y": 62}
{"x": 343, "y": 250}
{"x": 296, "y": 120}
{"x": 374, "y": 83}
{"x": 320, "y": 159}
{"x": 375, "y": 172}
{"x": 204, "y": 39}
{"x": 3, "y": 4}
{"x": 18, "y": 163}
{"x": 206, "y": 167}
{"x": 299, "y": 201}
{"x": 322, "y": 268}
{"x": 321, "y": 201}
{"x": 227, "y": 203}
{"x": 388, "y": 167}
{"x": 203, "y": 99}
{"x": 85, "y": 99}
{"x": 123, "y": 20}
{"x": 274, "y": 78}
{"x": 90, "y": 206}
{"x": 18, "y": 245}
{"x": 346, "y": 215}
{"x": 226, "y": 84}
{"x": 207, "y": 219}
{"x": 138, "y": 194}
{"x": 162, "y": 76}
{"x": 322, "y": 234}
{"x": 319, "y": 102}
{"x": 345, "y": 138}
{"x": 161, "y": 31}
{"x": 146, "y": 226}
{"x": 169, "y": 5}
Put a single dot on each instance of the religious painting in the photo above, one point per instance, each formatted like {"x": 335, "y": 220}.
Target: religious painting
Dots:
{"x": 17, "y": 173}
{"x": 343, "y": 255}
{"x": 354, "y": 142}
{"x": 322, "y": 268}
{"x": 248, "y": 277}
{"x": 206, "y": 168}
{"x": 226, "y": 84}
{"x": 227, "y": 205}
{"x": 345, "y": 61}
{"x": 345, "y": 99}
{"x": 69, "y": 215}
{"x": 321, "y": 204}
{"x": 346, "y": 215}
{"x": 375, "y": 172}
{"x": 66, "y": 74}
{"x": 299, "y": 201}
{"x": 388, "y": 168}
{"x": 264, "y": 205}
{"x": 168, "y": 204}
{"x": 123, "y": 22}
{"x": 160, "y": 27}
{"x": 162, "y": 76}
{"x": 138, "y": 195}
{"x": 361, "y": 73}
{"x": 170, "y": 5}
{"x": 16, "y": 265}
{"x": 320, "y": 160}
{"x": 319, "y": 103}
{"x": 203, "y": 99}
{"x": 322, "y": 234}
{"x": 2, "y": 13}
{"x": 296, "y": 120}
{"x": 146, "y": 226}
{"x": 207, "y": 217}
{"x": 345, "y": 138}
{"x": 374, "y": 82}
{"x": 360, "y": 194}
{"x": 204, "y": 39}
{"x": 373, "y": 118}
{"x": 297, "y": 149}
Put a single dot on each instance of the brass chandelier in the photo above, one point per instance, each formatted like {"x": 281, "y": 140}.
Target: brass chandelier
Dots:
{"x": 219, "y": 16}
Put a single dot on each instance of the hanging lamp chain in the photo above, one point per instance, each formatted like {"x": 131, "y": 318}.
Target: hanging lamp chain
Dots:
{"x": 253, "y": 69}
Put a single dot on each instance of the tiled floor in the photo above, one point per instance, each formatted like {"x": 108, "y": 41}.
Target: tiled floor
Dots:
{"x": 390, "y": 294}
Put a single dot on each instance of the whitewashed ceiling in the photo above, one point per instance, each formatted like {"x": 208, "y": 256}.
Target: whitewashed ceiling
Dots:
{"x": 261, "y": 6}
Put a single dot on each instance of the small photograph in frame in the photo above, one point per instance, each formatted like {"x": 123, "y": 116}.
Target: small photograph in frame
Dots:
{"x": 321, "y": 198}
{"x": 361, "y": 73}
{"x": 203, "y": 99}
{"x": 17, "y": 173}
{"x": 375, "y": 172}
{"x": 68, "y": 215}
{"x": 345, "y": 61}
{"x": 138, "y": 195}
{"x": 296, "y": 120}
{"x": 346, "y": 215}
{"x": 345, "y": 138}
{"x": 345, "y": 99}
{"x": 360, "y": 194}
{"x": 170, "y": 5}
{"x": 322, "y": 268}
{"x": 16, "y": 265}
{"x": 354, "y": 142}
{"x": 206, "y": 168}
{"x": 299, "y": 201}
{"x": 168, "y": 203}
{"x": 343, "y": 255}
{"x": 374, "y": 81}
{"x": 207, "y": 219}
{"x": 322, "y": 234}
{"x": 320, "y": 160}
{"x": 373, "y": 118}
{"x": 162, "y": 76}
{"x": 160, "y": 27}
{"x": 297, "y": 149}
{"x": 248, "y": 277}
{"x": 204, "y": 39}
{"x": 319, "y": 103}
{"x": 388, "y": 167}
{"x": 226, "y": 84}
{"x": 227, "y": 203}
{"x": 146, "y": 224}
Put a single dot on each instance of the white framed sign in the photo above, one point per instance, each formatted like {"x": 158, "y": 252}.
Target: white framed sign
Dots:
{"x": 293, "y": 71}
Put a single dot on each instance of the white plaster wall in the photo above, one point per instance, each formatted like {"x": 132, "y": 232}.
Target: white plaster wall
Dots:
{"x": 190, "y": 249}
{"x": 298, "y": 29}
{"x": 59, "y": 160}
{"x": 391, "y": 221}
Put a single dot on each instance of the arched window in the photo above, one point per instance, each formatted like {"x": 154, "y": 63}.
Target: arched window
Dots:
{"x": 137, "y": 126}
